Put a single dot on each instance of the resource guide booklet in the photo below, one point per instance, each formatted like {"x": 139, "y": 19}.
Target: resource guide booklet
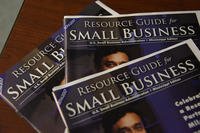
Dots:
{"x": 157, "y": 93}
{"x": 93, "y": 42}
{"x": 27, "y": 86}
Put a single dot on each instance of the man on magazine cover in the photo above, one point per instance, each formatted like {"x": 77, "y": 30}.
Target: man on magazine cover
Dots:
{"x": 99, "y": 59}
{"x": 125, "y": 121}
{"x": 109, "y": 58}
{"x": 137, "y": 117}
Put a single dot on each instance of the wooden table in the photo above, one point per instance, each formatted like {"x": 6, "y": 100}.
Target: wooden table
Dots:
{"x": 37, "y": 21}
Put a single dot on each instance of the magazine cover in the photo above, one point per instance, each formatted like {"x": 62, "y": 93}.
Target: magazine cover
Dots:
{"x": 157, "y": 93}
{"x": 27, "y": 85}
{"x": 91, "y": 42}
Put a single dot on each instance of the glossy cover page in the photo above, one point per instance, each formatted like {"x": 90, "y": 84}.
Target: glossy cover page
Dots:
{"x": 93, "y": 42}
{"x": 27, "y": 86}
{"x": 157, "y": 93}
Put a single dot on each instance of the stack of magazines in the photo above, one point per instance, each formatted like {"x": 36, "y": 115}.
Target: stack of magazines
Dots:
{"x": 111, "y": 73}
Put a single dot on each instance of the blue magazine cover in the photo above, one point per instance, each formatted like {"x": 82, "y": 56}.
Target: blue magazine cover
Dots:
{"x": 27, "y": 86}
{"x": 90, "y": 41}
{"x": 157, "y": 93}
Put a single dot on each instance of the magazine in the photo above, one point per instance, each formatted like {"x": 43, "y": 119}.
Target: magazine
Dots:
{"x": 157, "y": 93}
{"x": 27, "y": 86}
{"x": 90, "y": 40}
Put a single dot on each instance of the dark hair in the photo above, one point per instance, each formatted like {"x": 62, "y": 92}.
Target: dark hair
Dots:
{"x": 105, "y": 51}
{"x": 112, "y": 117}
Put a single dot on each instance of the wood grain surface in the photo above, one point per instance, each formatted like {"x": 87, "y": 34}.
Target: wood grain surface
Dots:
{"x": 39, "y": 19}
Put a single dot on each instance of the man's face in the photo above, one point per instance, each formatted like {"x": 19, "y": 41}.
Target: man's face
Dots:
{"x": 129, "y": 123}
{"x": 113, "y": 60}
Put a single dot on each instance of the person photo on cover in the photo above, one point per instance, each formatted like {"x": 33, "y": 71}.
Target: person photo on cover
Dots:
{"x": 107, "y": 58}
{"x": 123, "y": 121}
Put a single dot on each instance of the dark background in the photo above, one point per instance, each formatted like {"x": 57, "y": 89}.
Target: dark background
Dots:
{"x": 39, "y": 19}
